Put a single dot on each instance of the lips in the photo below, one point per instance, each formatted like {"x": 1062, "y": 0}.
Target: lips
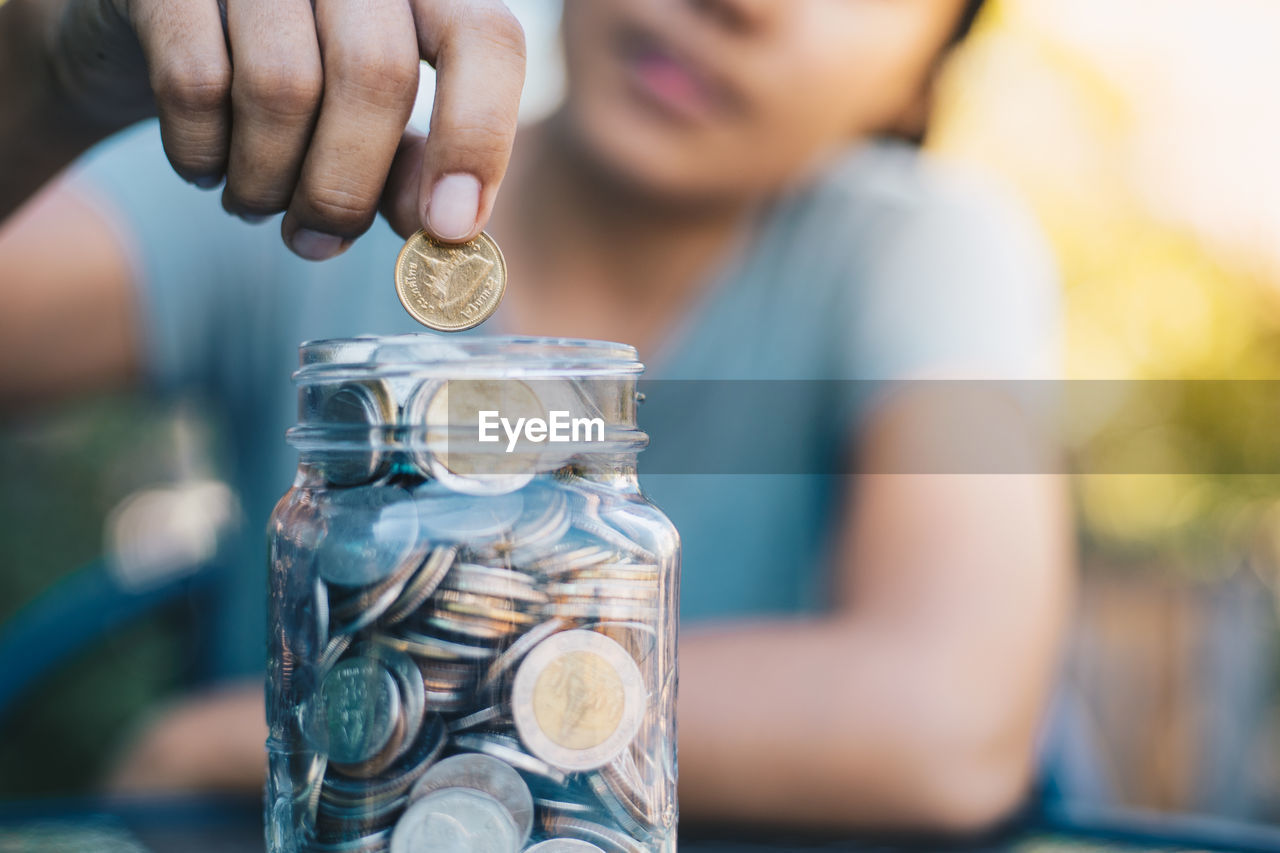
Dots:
{"x": 673, "y": 81}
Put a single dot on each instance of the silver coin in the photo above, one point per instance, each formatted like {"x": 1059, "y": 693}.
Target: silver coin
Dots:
{"x": 521, "y": 647}
{"x": 453, "y": 517}
{"x": 508, "y": 749}
{"x": 476, "y": 627}
{"x": 575, "y": 808}
{"x": 605, "y": 572}
{"x": 372, "y": 607}
{"x": 623, "y": 781}
{"x": 488, "y": 607}
{"x": 336, "y": 647}
{"x": 363, "y": 814}
{"x": 382, "y": 760}
{"x": 435, "y": 648}
{"x": 563, "y": 845}
{"x": 455, "y": 820}
{"x": 361, "y": 707}
{"x": 578, "y": 700}
{"x": 358, "y": 410}
{"x": 608, "y": 534}
{"x": 369, "y": 532}
{"x": 448, "y": 675}
{"x": 605, "y": 611}
{"x": 608, "y": 840}
{"x": 485, "y": 774}
{"x": 309, "y": 788}
{"x": 480, "y": 718}
{"x": 375, "y": 842}
{"x": 409, "y": 680}
{"x": 607, "y": 590}
{"x": 544, "y": 522}
{"x": 573, "y": 557}
{"x": 321, "y": 598}
{"x": 423, "y": 583}
{"x": 407, "y": 770}
{"x": 616, "y": 808}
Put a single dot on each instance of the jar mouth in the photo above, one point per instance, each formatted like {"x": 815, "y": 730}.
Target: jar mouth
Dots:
{"x": 429, "y": 355}
{"x": 467, "y": 406}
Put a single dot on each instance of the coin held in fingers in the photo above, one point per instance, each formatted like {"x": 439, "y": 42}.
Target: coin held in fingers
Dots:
{"x": 450, "y": 287}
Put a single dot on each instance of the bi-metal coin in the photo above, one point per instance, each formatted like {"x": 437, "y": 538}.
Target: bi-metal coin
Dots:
{"x": 578, "y": 700}
{"x": 448, "y": 414}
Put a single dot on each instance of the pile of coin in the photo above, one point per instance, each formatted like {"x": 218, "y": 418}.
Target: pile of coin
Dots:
{"x": 485, "y": 675}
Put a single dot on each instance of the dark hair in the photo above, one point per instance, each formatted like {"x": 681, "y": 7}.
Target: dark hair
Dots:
{"x": 967, "y": 18}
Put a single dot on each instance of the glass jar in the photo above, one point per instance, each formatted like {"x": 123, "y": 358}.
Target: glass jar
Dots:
{"x": 472, "y": 605}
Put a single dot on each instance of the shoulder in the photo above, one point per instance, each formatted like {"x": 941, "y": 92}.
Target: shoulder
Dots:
{"x": 881, "y": 193}
{"x": 934, "y": 267}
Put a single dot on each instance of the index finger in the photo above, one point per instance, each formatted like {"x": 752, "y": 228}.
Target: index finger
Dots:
{"x": 477, "y": 48}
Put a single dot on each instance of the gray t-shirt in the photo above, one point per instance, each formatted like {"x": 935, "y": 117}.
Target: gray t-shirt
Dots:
{"x": 887, "y": 266}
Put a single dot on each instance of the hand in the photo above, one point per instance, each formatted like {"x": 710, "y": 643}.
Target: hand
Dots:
{"x": 302, "y": 106}
{"x": 208, "y": 742}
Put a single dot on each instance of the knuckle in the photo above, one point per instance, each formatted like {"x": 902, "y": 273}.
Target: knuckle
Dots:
{"x": 193, "y": 87}
{"x": 378, "y": 76}
{"x": 494, "y": 22}
{"x": 338, "y": 210}
{"x": 280, "y": 90}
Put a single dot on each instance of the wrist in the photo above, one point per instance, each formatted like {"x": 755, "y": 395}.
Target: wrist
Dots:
{"x": 74, "y": 68}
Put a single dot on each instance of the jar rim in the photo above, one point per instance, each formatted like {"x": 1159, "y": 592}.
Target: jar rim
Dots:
{"x": 425, "y": 354}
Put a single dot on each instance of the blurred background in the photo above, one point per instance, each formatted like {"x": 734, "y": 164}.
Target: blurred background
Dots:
{"x": 1144, "y": 135}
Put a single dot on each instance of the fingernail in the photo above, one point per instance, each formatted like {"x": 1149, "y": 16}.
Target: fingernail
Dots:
{"x": 315, "y": 246}
{"x": 254, "y": 218}
{"x": 207, "y": 182}
{"x": 454, "y": 206}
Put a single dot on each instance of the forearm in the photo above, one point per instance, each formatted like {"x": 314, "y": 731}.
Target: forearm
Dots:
{"x": 830, "y": 724}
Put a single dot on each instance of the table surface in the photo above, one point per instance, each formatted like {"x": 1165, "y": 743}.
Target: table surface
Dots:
{"x": 234, "y": 826}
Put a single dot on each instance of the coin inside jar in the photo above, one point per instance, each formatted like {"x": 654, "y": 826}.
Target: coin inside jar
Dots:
{"x": 487, "y": 775}
{"x": 361, "y": 705}
{"x": 450, "y": 414}
{"x": 359, "y": 408}
{"x": 456, "y": 819}
{"x": 369, "y": 532}
{"x": 577, "y": 700}
{"x": 450, "y": 287}
{"x": 563, "y": 845}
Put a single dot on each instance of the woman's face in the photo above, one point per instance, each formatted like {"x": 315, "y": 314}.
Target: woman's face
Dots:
{"x": 715, "y": 100}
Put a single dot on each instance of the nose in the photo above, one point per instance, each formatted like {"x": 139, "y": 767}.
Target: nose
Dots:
{"x": 741, "y": 15}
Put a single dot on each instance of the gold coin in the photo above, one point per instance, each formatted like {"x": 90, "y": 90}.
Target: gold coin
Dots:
{"x": 450, "y": 287}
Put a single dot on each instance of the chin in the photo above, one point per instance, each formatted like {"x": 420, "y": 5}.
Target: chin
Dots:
{"x": 653, "y": 159}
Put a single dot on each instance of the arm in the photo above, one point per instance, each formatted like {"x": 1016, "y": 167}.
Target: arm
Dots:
{"x": 312, "y": 122}
{"x": 916, "y": 702}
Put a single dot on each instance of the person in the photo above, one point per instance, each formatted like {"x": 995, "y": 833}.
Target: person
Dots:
{"x": 720, "y": 188}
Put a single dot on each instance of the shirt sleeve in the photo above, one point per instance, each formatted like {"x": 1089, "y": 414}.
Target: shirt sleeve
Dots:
{"x": 188, "y": 256}
{"x": 958, "y": 284}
